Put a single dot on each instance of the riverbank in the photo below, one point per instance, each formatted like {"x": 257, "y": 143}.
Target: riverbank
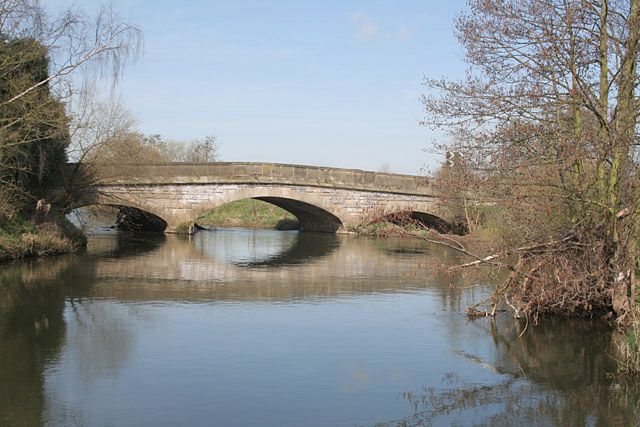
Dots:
{"x": 249, "y": 213}
{"x": 23, "y": 238}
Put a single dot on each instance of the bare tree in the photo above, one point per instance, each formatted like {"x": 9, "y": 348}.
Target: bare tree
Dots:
{"x": 202, "y": 150}
{"x": 549, "y": 107}
{"x": 96, "y": 122}
{"x": 73, "y": 41}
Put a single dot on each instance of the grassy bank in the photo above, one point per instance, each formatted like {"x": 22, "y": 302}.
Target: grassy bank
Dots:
{"x": 21, "y": 238}
{"x": 249, "y": 213}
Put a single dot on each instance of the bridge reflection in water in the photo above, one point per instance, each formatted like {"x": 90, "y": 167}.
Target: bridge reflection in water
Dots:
{"x": 244, "y": 264}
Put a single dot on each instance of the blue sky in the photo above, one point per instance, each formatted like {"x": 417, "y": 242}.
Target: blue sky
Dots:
{"x": 328, "y": 83}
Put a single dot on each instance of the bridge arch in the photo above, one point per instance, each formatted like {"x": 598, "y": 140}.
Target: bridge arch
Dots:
{"x": 427, "y": 219}
{"x": 135, "y": 213}
{"x": 131, "y": 218}
{"x": 135, "y": 219}
{"x": 310, "y": 217}
{"x": 313, "y": 213}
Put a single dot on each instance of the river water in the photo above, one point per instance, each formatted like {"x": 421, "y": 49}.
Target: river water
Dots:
{"x": 243, "y": 327}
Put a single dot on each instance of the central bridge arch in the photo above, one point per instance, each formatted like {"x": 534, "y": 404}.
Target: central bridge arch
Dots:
{"x": 313, "y": 211}
{"x": 310, "y": 217}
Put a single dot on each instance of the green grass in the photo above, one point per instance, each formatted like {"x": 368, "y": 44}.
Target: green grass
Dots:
{"x": 249, "y": 213}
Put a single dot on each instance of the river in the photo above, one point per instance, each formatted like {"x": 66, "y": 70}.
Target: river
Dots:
{"x": 242, "y": 327}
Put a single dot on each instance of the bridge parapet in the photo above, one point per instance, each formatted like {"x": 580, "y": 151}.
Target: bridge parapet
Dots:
{"x": 263, "y": 173}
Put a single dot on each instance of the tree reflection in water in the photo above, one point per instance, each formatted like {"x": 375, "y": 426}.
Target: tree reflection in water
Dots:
{"x": 38, "y": 298}
{"x": 32, "y": 333}
{"x": 558, "y": 373}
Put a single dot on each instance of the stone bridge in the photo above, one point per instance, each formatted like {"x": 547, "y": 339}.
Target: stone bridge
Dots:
{"x": 323, "y": 199}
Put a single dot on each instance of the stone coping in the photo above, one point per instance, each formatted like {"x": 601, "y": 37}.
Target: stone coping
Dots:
{"x": 260, "y": 173}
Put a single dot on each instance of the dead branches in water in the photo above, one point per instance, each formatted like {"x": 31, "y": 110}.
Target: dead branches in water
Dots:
{"x": 568, "y": 276}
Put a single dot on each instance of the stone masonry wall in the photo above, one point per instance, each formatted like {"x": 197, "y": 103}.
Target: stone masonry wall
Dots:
{"x": 185, "y": 202}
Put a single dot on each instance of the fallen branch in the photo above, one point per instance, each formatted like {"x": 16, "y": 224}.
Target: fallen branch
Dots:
{"x": 460, "y": 248}
{"x": 476, "y": 262}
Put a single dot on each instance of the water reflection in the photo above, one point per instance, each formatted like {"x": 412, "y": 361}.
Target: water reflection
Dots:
{"x": 306, "y": 248}
{"x": 243, "y": 265}
{"x": 123, "y": 244}
{"x": 244, "y": 246}
{"x": 558, "y": 373}
{"x": 31, "y": 336}
{"x": 99, "y": 343}
{"x": 265, "y": 248}
{"x": 288, "y": 329}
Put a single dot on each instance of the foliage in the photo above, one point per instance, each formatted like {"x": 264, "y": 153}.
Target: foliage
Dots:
{"x": 547, "y": 116}
{"x": 32, "y": 128}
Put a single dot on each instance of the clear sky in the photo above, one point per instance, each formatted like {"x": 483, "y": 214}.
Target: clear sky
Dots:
{"x": 328, "y": 83}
